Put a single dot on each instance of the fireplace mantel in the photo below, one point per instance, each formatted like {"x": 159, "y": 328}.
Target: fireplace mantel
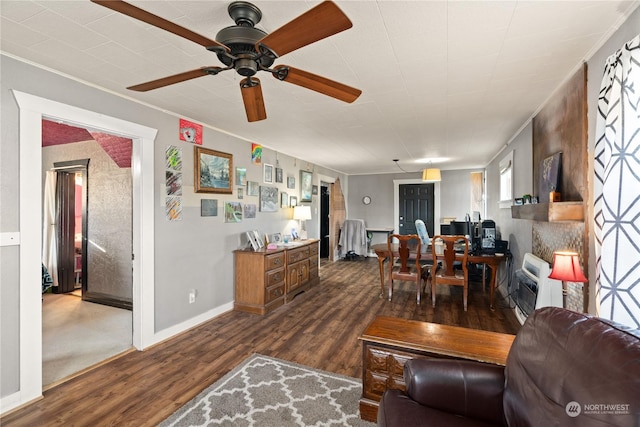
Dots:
{"x": 550, "y": 212}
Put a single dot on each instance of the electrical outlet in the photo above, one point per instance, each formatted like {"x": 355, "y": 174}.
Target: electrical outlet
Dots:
{"x": 192, "y": 296}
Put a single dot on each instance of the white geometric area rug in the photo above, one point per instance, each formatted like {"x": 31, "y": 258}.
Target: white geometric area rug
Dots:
{"x": 267, "y": 392}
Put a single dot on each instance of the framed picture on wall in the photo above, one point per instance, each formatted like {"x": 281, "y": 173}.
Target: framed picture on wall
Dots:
{"x": 278, "y": 175}
{"x": 267, "y": 173}
{"x": 212, "y": 171}
{"x": 306, "y": 185}
{"x": 291, "y": 182}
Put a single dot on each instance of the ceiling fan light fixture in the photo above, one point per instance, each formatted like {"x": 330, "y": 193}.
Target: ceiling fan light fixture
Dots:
{"x": 431, "y": 175}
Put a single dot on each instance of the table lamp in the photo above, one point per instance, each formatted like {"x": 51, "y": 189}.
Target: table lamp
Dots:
{"x": 302, "y": 213}
{"x": 566, "y": 267}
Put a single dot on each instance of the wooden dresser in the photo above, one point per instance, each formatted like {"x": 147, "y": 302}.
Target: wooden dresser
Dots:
{"x": 267, "y": 279}
{"x": 388, "y": 342}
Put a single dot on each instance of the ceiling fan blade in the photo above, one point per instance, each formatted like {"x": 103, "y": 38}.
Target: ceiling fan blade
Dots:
{"x": 322, "y": 21}
{"x": 176, "y": 78}
{"x": 144, "y": 16}
{"x": 318, "y": 83}
{"x": 252, "y": 98}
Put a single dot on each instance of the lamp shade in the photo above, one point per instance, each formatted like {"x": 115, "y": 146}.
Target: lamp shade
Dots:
{"x": 302, "y": 212}
{"x": 566, "y": 267}
{"x": 431, "y": 174}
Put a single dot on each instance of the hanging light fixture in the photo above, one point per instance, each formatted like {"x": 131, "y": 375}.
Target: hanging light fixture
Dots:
{"x": 431, "y": 175}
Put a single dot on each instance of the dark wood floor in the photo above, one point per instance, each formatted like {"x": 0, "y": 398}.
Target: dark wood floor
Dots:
{"x": 320, "y": 328}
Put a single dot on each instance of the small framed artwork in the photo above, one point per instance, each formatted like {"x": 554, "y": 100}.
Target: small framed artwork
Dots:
{"x": 256, "y": 236}
{"x": 212, "y": 171}
{"x": 253, "y": 188}
{"x": 276, "y": 238}
{"x": 293, "y": 201}
{"x": 232, "y": 212}
{"x": 240, "y": 192}
{"x": 278, "y": 175}
{"x": 306, "y": 185}
{"x": 267, "y": 173}
{"x": 314, "y": 190}
{"x": 241, "y": 176}
{"x": 268, "y": 199}
{"x": 252, "y": 240}
{"x": 250, "y": 210}
{"x": 291, "y": 182}
{"x": 208, "y": 207}
{"x": 284, "y": 200}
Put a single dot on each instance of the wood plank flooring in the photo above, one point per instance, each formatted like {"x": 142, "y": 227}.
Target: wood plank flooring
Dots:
{"x": 320, "y": 328}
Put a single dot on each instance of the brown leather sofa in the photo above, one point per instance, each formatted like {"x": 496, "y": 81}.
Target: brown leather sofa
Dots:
{"x": 564, "y": 369}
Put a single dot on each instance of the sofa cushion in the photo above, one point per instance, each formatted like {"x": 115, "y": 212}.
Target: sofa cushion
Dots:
{"x": 470, "y": 389}
{"x": 566, "y": 365}
{"x": 397, "y": 409}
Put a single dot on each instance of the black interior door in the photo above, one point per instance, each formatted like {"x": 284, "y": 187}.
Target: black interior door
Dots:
{"x": 65, "y": 194}
{"x": 324, "y": 222}
{"x": 416, "y": 202}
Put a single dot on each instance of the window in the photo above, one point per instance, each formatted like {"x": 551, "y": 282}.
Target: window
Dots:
{"x": 506, "y": 184}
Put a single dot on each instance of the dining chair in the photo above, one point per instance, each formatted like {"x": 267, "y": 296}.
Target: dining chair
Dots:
{"x": 404, "y": 264}
{"x": 425, "y": 242}
{"x": 445, "y": 273}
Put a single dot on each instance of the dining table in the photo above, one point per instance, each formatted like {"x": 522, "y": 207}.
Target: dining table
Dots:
{"x": 492, "y": 261}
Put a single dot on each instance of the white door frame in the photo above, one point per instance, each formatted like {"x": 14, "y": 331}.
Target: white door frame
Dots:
{"x": 33, "y": 110}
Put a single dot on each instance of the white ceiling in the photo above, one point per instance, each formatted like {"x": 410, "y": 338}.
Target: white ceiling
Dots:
{"x": 450, "y": 80}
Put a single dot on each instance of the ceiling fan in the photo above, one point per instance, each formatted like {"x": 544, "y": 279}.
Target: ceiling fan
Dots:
{"x": 247, "y": 50}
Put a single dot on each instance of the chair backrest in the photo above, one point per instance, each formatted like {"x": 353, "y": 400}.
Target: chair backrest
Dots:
{"x": 451, "y": 245}
{"x": 407, "y": 244}
{"x": 562, "y": 362}
{"x": 421, "y": 229}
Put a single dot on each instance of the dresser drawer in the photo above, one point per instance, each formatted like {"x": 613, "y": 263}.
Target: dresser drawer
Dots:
{"x": 313, "y": 249}
{"x": 275, "y": 277}
{"x": 274, "y": 293}
{"x": 274, "y": 261}
{"x": 296, "y": 255}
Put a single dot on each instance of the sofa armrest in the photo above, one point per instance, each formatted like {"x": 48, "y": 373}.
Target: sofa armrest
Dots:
{"x": 468, "y": 388}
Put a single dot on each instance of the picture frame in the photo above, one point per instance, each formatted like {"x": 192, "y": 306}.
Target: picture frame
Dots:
{"x": 314, "y": 190}
{"x": 212, "y": 171}
{"x": 256, "y": 235}
{"x": 279, "y": 175}
{"x": 250, "y": 210}
{"x": 232, "y": 212}
{"x": 291, "y": 182}
{"x": 252, "y": 240}
{"x": 253, "y": 188}
{"x": 268, "y": 199}
{"x": 284, "y": 200}
{"x": 293, "y": 201}
{"x": 208, "y": 207}
{"x": 267, "y": 173}
{"x": 306, "y": 186}
{"x": 241, "y": 176}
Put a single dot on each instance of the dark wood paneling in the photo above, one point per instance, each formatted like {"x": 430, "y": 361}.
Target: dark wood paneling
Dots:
{"x": 561, "y": 126}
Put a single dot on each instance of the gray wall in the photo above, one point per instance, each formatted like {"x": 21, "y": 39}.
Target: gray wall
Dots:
{"x": 516, "y": 231}
{"x": 195, "y": 252}
{"x": 455, "y": 197}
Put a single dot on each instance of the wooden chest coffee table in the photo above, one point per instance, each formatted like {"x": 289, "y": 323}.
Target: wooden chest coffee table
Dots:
{"x": 388, "y": 342}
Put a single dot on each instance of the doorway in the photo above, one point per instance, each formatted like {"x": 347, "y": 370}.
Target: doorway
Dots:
{"x": 416, "y": 201}
{"x": 32, "y": 110}
{"x": 324, "y": 220}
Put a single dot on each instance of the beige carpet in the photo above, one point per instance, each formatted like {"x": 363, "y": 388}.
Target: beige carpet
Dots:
{"x": 78, "y": 334}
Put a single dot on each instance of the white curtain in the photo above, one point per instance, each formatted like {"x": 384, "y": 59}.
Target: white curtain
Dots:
{"x": 617, "y": 187}
{"x": 49, "y": 241}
